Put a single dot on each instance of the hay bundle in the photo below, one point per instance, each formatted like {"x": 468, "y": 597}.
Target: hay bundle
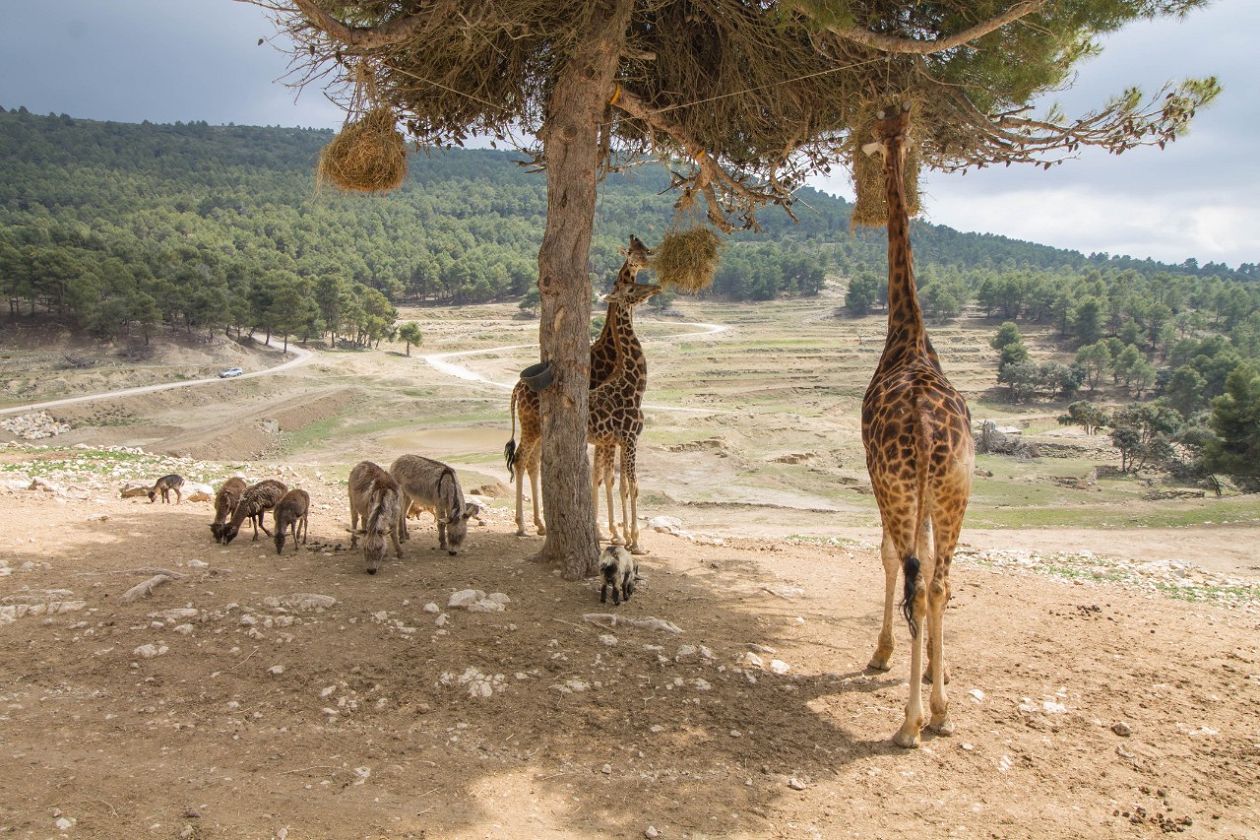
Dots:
{"x": 687, "y": 260}
{"x": 871, "y": 208}
{"x": 367, "y": 155}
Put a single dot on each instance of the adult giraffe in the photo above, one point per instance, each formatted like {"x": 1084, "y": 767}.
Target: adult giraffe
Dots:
{"x": 526, "y": 458}
{"x": 917, "y": 433}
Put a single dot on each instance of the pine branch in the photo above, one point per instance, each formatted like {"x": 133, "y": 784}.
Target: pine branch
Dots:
{"x": 911, "y": 46}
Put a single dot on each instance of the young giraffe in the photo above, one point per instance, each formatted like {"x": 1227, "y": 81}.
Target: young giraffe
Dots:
{"x": 917, "y": 433}
{"x": 527, "y": 456}
{"x": 615, "y": 418}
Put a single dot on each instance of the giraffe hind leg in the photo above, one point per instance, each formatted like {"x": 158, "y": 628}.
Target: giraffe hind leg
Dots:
{"x": 884, "y": 648}
{"x": 949, "y": 523}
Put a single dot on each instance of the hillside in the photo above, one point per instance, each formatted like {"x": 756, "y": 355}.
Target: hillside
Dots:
{"x": 464, "y": 219}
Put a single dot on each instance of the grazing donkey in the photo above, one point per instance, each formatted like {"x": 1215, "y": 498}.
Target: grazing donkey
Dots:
{"x": 225, "y": 503}
{"x": 291, "y": 514}
{"x": 165, "y": 485}
{"x": 619, "y": 569}
{"x": 374, "y": 497}
{"x": 255, "y": 501}
{"x": 434, "y": 485}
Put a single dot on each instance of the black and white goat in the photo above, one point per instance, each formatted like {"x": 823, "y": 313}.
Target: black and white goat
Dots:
{"x": 619, "y": 569}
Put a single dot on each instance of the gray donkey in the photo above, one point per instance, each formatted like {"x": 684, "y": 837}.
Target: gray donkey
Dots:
{"x": 374, "y": 498}
{"x": 434, "y": 486}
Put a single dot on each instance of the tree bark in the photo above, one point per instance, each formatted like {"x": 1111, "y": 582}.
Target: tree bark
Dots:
{"x": 570, "y": 139}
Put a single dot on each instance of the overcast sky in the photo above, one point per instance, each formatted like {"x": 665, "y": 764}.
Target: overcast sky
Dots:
{"x": 167, "y": 60}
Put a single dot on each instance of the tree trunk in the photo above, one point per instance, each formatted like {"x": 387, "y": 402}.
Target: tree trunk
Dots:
{"x": 570, "y": 139}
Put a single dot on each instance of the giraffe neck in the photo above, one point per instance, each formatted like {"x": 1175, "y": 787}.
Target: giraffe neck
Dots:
{"x": 905, "y": 317}
{"x": 603, "y": 352}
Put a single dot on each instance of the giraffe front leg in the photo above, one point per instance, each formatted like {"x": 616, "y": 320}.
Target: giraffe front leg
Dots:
{"x": 884, "y": 647}
{"x": 520, "y": 502}
{"x": 535, "y": 499}
{"x": 630, "y": 487}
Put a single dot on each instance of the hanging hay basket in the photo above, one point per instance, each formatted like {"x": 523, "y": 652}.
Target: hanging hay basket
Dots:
{"x": 687, "y": 260}
{"x": 871, "y": 209}
{"x": 368, "y": 155}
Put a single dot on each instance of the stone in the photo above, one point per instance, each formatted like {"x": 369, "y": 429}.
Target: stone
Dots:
{"x": 150, "y": 651}
{"x": 1122, "y": 729}
{"x": 796, "y": 784}
{"x": 780, "y": 667}
{"x": 431, "y": 607}
{"x": 651, "y": 833}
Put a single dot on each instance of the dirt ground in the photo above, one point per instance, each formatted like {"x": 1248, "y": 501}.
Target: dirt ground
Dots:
{"x": 366, "y": 719}
{"x": 1105, "y": 680}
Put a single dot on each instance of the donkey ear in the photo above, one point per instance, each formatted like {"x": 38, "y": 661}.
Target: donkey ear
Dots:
{"x": 456, "y": 513}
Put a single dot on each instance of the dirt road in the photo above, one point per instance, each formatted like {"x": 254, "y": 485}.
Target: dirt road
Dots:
{"x": 300, "y": 357}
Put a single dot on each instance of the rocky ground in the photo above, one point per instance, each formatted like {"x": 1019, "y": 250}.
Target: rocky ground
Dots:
{"x": 1096, "y": 691}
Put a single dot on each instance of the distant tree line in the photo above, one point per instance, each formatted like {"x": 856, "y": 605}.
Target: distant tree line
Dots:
{"x": 129, "y": 228}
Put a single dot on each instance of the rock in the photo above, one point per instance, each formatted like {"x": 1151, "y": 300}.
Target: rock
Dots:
{"x": 753, "y": 660}
{"x": 35, "y": 426}
{"x": 685, "y": 652}
{"x": 796, "y": 784}
{"x": 1122, "y": 729}
{"x": 976, "y": 694}
{"x": 150, "y": 651}
{"x": 431, "y": 607}
{"x": 465, "y": 597}
{"x": 665, "y": 524}
{"x": 197, "y": 564}
{"x": 47, "y": 486}
{"x": 442, "y": 619}
{"x": 608, "y": 639}
{"x": 475, "y": 600}
{"x": 64, "y": 823}
{"x": 651, "y": 833}
{"x": 497, "y": 490}
{"x": 276, "y": 670}
{"x": 300, "y": 602}
{"x": 780, "y": 667}
{"x": 606, "y": 769}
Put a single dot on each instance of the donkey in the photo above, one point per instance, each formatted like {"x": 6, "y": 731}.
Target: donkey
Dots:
{"x": 434, "y": 485}
{"x": 225, "y": 503}
{"x": 165, "y": 485}
{"x": 255, "y": 501}
{"x": 291, "y": 514}
{"x": 374, "y": 496}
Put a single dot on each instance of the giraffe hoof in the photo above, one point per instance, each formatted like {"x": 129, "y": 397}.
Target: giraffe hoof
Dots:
{"x": 520, "y": 532}
{"x": 877, "y": 664}
{"x": 927, "y": 675}
{"x": 907, "y": 737}
{"x": 638, "y": 550}
{"x": 542, "y": 530}
{"x": 942, "y": 726}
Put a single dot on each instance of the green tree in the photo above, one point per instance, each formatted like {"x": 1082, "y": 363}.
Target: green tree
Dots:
{"x": 1236, "y": 422}
{"x": 862, "y": 294}
{"x": 1087, "y": 321}
{"x": 1021, "y": 378}
{"x": 1095, "y": 360}
{"x": 1086, "y": 415}
{"x": 1184, "y": 391}
{"x": 409, "y": 333}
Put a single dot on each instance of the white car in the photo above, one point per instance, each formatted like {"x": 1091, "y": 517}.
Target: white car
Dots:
{"x": 230, "y": 372}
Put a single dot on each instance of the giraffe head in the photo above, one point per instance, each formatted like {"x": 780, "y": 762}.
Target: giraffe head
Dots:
{"x": 630, "y": 295}
{"x": 637, "y": 254}
{"x": 890, "y": 130}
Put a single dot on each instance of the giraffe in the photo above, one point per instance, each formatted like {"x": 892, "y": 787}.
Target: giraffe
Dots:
{"x": 916, "y": 430}
{"x": 526, "y": 458}
{"x": 615, "y": 418}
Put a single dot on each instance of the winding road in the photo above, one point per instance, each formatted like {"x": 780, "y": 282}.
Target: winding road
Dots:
{"x": 300, "y": 355}
{"x": 442, "y": 363}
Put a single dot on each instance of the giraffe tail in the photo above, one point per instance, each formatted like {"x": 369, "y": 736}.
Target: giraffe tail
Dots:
{"x": 509, "y": 449}
{"x": 910, "y": 562}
